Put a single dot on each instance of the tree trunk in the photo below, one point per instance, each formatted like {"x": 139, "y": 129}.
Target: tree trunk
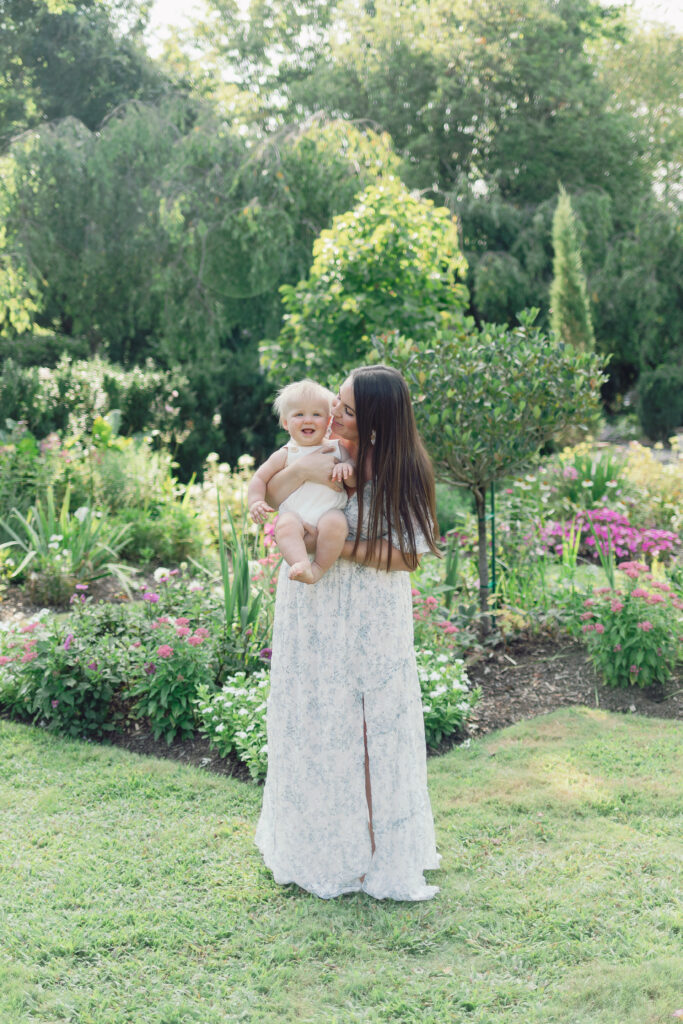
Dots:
{"x": 483, "y": 561}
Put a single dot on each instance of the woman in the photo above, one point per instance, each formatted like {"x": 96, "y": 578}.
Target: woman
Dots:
{"x": 345, "y": 806}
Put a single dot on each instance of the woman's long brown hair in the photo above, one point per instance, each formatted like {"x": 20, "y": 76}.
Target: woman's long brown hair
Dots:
{"x": 403, "y": 493}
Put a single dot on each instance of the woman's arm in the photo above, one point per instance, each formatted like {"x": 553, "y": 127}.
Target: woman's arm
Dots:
{"x": 378, "y": 559}
{"x": 316, "y": 468}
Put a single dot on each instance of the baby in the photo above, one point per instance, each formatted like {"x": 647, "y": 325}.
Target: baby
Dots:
{"x": 304, "y": 411}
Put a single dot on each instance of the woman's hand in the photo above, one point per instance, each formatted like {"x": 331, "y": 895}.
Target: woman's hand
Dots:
{"x": 378, "y": 559}
{"x": 314, "y": 468}
{"x": 317, "y": 468}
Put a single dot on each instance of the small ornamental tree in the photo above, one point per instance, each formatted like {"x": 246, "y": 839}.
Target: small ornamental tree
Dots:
{"x": 391, "y": 263}
{"x": 487, "y": 399}
{"x": 570, "y": 316}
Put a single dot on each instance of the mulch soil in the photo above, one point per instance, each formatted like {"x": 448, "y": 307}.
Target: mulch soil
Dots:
{"x": 519, "y": 679}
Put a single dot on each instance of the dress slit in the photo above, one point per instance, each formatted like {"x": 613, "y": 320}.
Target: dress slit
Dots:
{"x": 368, "y": 783}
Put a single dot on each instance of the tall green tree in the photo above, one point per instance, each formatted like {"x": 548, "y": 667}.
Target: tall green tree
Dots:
{"x": 391, "y": 262}
{"x": 80, "y": 58}
{"x": 570, "y": 315}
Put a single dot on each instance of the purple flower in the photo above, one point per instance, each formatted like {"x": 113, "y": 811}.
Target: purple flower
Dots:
{"x": 150, "y": 668}
{"x": 266, "y": 654}
{"x": 68, "y": 641}
{"x": 54, "y": 703}
{"x": 152, "y": 598}
{"x": 92, "y": 665}
{"x": 81, "y": 586}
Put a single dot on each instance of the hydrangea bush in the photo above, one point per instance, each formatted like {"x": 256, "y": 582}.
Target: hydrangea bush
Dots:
{"x": 634, "y": 633}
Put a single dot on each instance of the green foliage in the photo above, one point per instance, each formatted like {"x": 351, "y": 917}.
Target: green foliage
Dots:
{"x": 569, "y": 311}
{"x": 234, "y": 718}
{"x": 487, "y": 399}
{"x": 72, "y": 59}
{"x": 660, "y": 398}
{"x": 177, "y": 661}
{"x": 447, "y": 700}
{"x": 61, "y": 547}
{"x": 633, "y": 628}
{"x": 72, "y": 395}
{"x": 62, "y": 683}
{"x": 392, "y": 262}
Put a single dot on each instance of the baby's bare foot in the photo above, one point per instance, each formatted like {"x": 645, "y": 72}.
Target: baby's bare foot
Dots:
{"x": 302, "y": 572}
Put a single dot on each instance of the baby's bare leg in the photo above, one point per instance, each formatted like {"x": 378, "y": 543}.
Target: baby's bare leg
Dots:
{"x": 289, "y": 537}
{"x": 332, "y": 532}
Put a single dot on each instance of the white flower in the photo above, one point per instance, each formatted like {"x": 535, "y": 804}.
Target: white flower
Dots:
{"x": 81, "y": 513}
{"x": 221, "y": 727}
{"x": 55, "y": 538}
{"x": 161, "y": 571}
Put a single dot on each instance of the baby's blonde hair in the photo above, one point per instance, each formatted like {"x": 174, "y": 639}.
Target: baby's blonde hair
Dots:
{"x": 299, "y": 391}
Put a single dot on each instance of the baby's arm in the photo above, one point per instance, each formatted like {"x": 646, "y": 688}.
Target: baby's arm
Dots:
{"x": 345, "y": 470}
{"x": 258, "y": 507}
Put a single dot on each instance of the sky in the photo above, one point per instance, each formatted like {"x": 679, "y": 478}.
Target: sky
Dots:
{"x": 174, "y": 12}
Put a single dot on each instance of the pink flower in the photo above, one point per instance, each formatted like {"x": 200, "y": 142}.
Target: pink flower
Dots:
{"x": 588, "y": 603}
{"x": 54, "y": 703}
{"x": 634, "y": 670}
{"x": 5, "y": 659}
{"x": 137, "y": 643}
{"x": 586, "y": 615}
{"x": 602, "y": 590}
{"x": 163, "y": 618}
{"x": 645, "y": 626}
{"x": 617, "y": 647}
{"x": 194, "y": 641}
{"x": 182, "y": 622}
{"x": 640, "y": 592}
{"x": 599, "y": 628}
{"x": 202, "y": 632}
{"x": 152, "y": 598}
{"x": 165, "y": 651}
{"x": 92, "y": 665}
{"x": 431, "y": 602}
{"x": 183, "y": 631}
{"x": 656, "y": 599}
{"x": 29, "y": 656}
{"x": 68, "y": 641}
{"x": 194, "y": 588}
{"x": 266, "y": 654}
{"x": 29, "y": 627}
{"x": 616, "y": 606}
{"x": 588, "y": 628}
{"x": 81, "y": 586}
{"x": 154, "y": 625}
{"x": 415, "y": 593}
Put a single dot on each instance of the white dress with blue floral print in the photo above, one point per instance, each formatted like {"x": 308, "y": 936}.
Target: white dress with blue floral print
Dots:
{"x": 343, "y": 653}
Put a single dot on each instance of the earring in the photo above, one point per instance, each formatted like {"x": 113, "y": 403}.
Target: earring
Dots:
{"x": 373, "y": 437}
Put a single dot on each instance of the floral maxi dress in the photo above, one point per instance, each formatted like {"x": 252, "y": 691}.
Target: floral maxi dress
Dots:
{"x": 343, "y": 656}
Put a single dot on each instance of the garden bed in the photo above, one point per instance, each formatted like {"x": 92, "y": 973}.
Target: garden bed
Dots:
{"x": 521, "y": 679}
{"x": 525, "y": 678}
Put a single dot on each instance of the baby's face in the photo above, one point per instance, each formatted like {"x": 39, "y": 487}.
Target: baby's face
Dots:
{"x": 307, "y": 422}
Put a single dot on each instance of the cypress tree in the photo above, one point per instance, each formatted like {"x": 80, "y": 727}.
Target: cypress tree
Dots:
{"x": 570, "y": 314}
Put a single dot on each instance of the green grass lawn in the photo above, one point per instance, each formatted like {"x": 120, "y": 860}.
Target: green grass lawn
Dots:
{"x": 131, "y": 891}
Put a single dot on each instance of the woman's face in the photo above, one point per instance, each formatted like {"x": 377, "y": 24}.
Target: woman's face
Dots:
{"x": 344, "y": 413}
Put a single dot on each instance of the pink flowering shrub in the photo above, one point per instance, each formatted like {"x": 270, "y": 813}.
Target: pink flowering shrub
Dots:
{"x": 635, "y": 633}
{"x": 434, "y": 630}
{"x": 610, "y": 528}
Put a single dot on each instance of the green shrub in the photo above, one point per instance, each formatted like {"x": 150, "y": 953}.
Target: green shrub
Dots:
{"x": 234, "y": 719}
{"x": 660, "y": 399}
{"x": 168, "y": 534}
{"x": 62, "y": 684}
